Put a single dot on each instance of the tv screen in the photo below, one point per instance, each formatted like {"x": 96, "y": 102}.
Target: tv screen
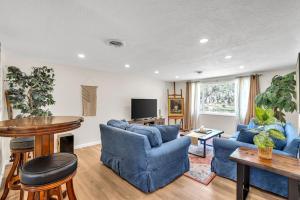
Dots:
{"x": 143, "y": 108}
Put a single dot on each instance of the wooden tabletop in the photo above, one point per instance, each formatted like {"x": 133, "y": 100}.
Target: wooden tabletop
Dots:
{"x": 34, "y": 126}
{"x": 280, "y": 164}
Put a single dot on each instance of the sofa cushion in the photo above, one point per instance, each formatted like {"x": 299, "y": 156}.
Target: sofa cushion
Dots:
{"x": 246, "y": 136}
{"x": 152, "y": 133}
{"x": 277, "y": 127}
{"x": 291, "y": 132}
{"x": 168, "y": 132}
{"x": 293, "y": 147}
{"x": 279, "y": 144}
{"x": 122, "y": 124}
{"x": 252, "y": 124}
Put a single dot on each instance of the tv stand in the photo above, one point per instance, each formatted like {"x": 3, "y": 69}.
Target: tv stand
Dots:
{"x": 148, "y": 121}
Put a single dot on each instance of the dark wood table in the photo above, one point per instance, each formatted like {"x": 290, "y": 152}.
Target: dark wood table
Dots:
{"x": 203, "y": 137}
{"x": 42, "y": 128}
{"x": 280, "y": 164}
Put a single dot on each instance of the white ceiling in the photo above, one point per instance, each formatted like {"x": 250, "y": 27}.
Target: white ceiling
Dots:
{"x": 159, "y": 35}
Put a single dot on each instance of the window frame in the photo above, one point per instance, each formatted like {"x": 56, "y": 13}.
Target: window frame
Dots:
{"x": 236, "y": 102}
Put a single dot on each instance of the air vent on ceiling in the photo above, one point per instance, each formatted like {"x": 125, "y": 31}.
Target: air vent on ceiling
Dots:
{"x": 115, "y": 43}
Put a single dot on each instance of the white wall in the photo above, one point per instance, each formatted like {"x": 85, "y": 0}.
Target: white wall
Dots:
{"x": 115, "y": 91}
{"x": 228, "y": 123}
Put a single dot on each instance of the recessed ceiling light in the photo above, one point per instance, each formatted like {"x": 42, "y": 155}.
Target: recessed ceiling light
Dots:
{"x": 156, "y": 72}
{"x": 81, "y": 55}
{"x": 127, "y": 66}
{"x": 203, "y": 40}
{"x": 228, "y": 57}
{"x": 242, "y": 67}
{"x": 177, "y": 77}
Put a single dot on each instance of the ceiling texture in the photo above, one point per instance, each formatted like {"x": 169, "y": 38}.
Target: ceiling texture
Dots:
{"x": 159, "y": 35}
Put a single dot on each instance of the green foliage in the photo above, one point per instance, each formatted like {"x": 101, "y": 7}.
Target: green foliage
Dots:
{"x": 264, "y": 138}
{"x": 276, "y": 134}
{"x": 264, "y": 116}
{"x": 32, "y": 93}
{"x": 280, "y": 96}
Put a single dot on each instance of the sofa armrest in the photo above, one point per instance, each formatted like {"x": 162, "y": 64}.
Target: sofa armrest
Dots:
{"x": 293, "y": 147}
{"x": 223, "y": 148}
{"x": 122, "y": 143}
{"x": 241, "y": 126}
{"x": 173, "y": 151}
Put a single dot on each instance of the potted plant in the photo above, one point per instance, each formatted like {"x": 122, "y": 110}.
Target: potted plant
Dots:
{"x": 264, "y": 139}
{"x": 280, "y": 96}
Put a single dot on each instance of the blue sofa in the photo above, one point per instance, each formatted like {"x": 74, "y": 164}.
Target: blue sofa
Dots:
{"x": 265, "y": 180}
{"x": 131, "y": 155}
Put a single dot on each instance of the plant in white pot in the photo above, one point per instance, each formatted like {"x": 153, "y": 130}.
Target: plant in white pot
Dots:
{"x": 264, "y": 139}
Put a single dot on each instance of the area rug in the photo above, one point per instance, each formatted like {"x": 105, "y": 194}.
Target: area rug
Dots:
{"x": 200, "y": 168}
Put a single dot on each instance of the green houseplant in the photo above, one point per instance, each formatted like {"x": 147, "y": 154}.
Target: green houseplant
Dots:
{"x": 264, "y": 139}
{"x": 280, "y": 96}
{"x": 31, "y": 94}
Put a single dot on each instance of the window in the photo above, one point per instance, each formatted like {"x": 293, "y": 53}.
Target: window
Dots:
{"x": 218, "y": 98}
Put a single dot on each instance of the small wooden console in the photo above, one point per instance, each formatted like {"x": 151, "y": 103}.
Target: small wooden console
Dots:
{"x": 157, "y": 121}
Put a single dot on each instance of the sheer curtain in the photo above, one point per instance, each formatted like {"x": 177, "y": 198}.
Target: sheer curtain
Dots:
{"x": 195, "y": 104}
{"x": 244, "y": 89}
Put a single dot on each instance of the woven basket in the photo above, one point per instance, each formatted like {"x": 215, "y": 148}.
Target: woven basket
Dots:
{"x": 265, "y": 153}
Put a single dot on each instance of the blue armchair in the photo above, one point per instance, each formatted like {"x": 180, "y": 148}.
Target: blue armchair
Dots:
{"x": 131, "y": 156}
{"x": 265, "y": 180}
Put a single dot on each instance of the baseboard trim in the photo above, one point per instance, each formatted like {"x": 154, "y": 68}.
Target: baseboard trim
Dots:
{"x": 87, "y": 144}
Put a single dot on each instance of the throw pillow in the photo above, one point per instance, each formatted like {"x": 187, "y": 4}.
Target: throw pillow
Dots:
{"x": 246, "y": 136}
{"x": 152, "y": 133}
{"x": 168, "y": 132}
{"x": 279, "y": 144}
{"x": 252, "y": 124}
{"x": 122, "y": 124}
{"x": 278, "y": 127}
{"x": 293, "y": 147}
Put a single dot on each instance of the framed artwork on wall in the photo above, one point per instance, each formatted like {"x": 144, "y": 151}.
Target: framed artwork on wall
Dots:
{"x": 176, "y": 107}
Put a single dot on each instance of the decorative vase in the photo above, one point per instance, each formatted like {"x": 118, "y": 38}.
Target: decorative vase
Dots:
{"x": 265, "y": 153}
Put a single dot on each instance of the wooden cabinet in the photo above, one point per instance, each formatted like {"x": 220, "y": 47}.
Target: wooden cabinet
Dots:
{"x": 157, "y": 121}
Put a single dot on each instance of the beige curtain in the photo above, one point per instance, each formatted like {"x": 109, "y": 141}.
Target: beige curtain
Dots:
{"x": 187, "y": 114}
{"x": 254, "y": 91}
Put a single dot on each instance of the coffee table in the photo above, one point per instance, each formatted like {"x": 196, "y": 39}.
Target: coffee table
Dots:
{"x": 203, "y": 137}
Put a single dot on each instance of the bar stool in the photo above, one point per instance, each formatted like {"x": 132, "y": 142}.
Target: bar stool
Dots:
{"x": 43, "y": 177}
{"x": 20, "y": 150}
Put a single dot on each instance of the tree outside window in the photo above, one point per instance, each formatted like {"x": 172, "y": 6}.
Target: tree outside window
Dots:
{"x": 219, "y": 98}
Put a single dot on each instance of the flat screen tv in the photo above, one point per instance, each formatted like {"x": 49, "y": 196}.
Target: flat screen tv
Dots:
{"x": 143, "y": 108}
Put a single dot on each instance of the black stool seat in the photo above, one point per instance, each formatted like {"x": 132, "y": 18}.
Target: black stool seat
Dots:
{"x": 22, "y": 143}
{"x": 48, "y": 169}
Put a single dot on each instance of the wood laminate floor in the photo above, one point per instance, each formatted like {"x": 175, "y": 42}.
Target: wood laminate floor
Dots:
{"x": 94, "y": 181}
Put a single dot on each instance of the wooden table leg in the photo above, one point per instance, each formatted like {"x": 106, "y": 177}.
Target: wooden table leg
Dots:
{"x": 44, "y": 145}
{"x": 293, "y": 190}
{"x": 243, "y": 181}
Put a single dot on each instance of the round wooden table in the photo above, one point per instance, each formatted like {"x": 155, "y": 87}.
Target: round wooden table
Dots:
{"x": 42, "y": 128}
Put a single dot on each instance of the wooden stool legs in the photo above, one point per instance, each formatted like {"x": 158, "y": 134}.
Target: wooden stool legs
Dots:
{"x": 55, "y": 193}
{"x": 70, "y": 190}
{"x": 51, "y": 191}
{"x": 16, "y": 163}
{"x": 12, "y": 181}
